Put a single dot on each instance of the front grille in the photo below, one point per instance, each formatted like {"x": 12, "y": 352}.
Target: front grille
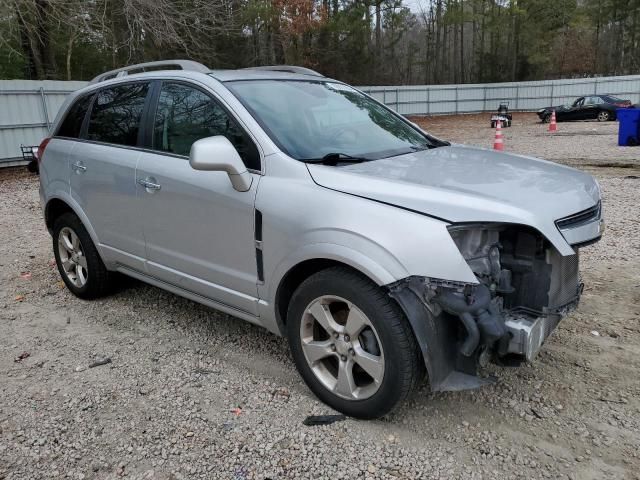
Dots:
{"x": 564, "y": 287}
{"x": 580, "y": 218}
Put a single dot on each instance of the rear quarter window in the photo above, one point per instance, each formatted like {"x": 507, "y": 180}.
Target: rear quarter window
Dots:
{"x": 72, "y": 123}
{"x": 116, "y": 113}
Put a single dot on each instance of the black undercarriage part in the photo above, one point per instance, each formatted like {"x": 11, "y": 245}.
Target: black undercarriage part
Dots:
{"x": 475, "y": 313}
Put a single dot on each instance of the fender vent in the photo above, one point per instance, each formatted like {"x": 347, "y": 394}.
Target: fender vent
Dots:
{"x": 258, "y": 239}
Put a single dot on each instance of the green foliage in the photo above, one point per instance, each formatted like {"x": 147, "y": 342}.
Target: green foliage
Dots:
{"x": 359, "y": 41}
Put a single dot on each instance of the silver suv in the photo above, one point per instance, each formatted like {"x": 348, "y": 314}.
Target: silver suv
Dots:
{"x": 300, "y": 204}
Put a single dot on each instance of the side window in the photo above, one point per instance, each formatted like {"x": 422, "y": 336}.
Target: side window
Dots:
{"x": 72, "y": 123}
{"x": 185, "y": 114}
{"x": 116, "y": 112}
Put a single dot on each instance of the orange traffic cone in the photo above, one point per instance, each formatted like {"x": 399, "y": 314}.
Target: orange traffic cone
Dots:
{"x": 498, "y": 143}
{"x": 553, "y": 126}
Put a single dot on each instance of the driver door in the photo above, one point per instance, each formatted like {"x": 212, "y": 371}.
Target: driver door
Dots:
{"x": 577, "y": 111}
{"x": 199, "y": 231}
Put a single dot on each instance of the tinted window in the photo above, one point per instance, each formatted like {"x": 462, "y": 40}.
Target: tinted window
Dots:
{"x": 610, "y": 99}
{"x": 116, "y": 112}
{"x": 185, "y": 114}
{"x": 72, "y": 123}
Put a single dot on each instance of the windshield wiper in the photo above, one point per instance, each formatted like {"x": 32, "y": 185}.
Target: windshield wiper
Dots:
{"x": 335, "y": 158}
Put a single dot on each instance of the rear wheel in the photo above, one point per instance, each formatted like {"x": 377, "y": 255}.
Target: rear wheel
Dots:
{"x": 352, "y": 344}
{"x": 78, "y": 261}
{"x": 603, "y": 116}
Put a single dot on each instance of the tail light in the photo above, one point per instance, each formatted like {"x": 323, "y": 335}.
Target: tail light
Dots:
{"x": 40, "y": 152}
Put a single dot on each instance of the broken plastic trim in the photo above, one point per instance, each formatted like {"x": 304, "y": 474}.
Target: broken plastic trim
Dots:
{"x": 436, "y": 334}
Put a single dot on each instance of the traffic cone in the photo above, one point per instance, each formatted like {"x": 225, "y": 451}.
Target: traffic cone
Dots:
{"x": 553, "y": 126}
{"x": 498, "y": 143}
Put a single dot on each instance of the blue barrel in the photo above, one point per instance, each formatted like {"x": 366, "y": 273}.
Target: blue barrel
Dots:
{"x": 629, "y": 130}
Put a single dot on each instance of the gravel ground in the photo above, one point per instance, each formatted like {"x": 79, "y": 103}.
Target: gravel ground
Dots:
{"x": 584, "y": 144}
{"x": 192, "y": 393}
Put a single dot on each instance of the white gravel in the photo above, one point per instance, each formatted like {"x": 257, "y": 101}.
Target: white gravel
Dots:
{"x": 167, "y": 405}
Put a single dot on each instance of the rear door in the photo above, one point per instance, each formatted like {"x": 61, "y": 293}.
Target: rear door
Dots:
{"x": 199, "y": 231}
{"x": 55, "y": 173}
{"x": 591, "y": 107}
{"x": 103, "y": 169}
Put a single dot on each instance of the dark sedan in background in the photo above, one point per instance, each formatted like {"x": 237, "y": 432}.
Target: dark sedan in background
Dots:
{"x": 594, "y": 107}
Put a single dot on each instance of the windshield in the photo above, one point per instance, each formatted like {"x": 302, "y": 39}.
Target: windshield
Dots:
{"x": 309, "y": 120}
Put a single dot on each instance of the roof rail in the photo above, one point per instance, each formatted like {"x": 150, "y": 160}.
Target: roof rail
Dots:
{"x": 287, "y": 68}
{"x": 152, "y": 66}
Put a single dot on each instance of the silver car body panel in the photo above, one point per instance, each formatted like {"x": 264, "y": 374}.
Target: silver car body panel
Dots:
{"x": 198, "y": 230}
{"x": 105, "y": 192}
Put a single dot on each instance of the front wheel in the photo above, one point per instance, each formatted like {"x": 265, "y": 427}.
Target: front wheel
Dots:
{"x": 352, "y": 344}
{"x": 603, "y": 116}
{"x": 546, "y": 118}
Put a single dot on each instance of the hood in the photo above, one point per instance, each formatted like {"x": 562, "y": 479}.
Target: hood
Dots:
{"x": 464, "y": 184}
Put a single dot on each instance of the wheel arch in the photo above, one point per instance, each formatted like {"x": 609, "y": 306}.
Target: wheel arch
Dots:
{"x": 297, "y": 274}
{"x": 59, "y": 205}
{"x": 53, "y": 210}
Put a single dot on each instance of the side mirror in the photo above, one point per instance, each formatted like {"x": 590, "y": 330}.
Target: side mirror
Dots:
{"x": 218, "y": 154}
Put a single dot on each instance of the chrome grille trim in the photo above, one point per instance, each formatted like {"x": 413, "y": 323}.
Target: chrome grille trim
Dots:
{"x": 581, "y": 218}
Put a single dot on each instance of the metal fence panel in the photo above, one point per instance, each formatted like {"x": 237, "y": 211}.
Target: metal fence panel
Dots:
{"x": 522, "y": 96}
{"x": 28, "y": 107}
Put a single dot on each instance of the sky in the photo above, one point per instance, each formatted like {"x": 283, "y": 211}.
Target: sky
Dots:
{"x": 414, "y": 5}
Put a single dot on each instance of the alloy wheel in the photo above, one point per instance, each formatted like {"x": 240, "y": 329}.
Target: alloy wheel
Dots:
{"x": 603, "y": 116}
{"x": 342, "y": 348}
{"x": 72, "y": 258}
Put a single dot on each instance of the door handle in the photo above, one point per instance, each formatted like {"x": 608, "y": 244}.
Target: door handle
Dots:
{"x": 79, "y": 167}
{"x": 149, "y": 183}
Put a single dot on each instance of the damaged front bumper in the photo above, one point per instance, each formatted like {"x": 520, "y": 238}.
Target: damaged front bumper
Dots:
{"x": 525, "y": 287}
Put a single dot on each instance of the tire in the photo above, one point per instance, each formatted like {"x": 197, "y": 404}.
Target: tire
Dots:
{"x": 32, "y": 166}
{"x": 86, "y": 276}
{"x": 604, "y": 116}
{"x": 546, "y": 118}
{"x": 493, "y": 124}
{"x": 386, "y": 345}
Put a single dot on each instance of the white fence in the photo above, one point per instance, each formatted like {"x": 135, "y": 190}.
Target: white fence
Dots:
{"x": 522, "y": 96}
{"x": 27, "y": 107}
